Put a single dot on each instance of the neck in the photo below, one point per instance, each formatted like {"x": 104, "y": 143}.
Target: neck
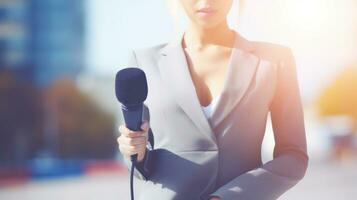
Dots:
{"x": 199, "y": 37}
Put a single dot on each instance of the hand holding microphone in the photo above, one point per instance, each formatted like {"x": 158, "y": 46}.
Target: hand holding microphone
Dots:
{"x": 133, "y": 142}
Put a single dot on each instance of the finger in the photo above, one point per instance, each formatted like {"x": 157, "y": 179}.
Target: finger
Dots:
{"x": 121, "y": 129}
{"x": 119, "y": 139}
{"x": 130, "y": 150}
{"x": 130, "y": 142}
{"x": 125, "y": 130}
{"x": 145, "y": 126}
{"x": 135, "y": 134}
{"x": 133, "y": 148}
{"x": 134, "y": 141}
{"x": 129, "y": 133}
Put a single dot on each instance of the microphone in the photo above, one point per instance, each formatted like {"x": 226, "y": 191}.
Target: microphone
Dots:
{"x": 131, "y": 91}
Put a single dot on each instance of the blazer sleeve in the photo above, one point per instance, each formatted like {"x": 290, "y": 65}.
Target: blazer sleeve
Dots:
{"x": 290, "y": 158}
{"x": 144, "y": 169}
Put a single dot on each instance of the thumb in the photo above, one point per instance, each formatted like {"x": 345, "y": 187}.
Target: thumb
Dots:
{"x": 145, "y": 126}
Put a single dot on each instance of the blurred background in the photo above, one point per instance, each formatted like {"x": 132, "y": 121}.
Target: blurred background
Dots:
{"x": 58, "y": 112}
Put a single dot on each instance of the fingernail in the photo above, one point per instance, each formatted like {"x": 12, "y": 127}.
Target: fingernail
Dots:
{"x": 145, "y": 125}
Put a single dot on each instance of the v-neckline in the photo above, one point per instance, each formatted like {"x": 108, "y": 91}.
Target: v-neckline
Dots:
{"x": 213, "y": 101}
{"x": 227, "y": 74}
{"x": 173, "y": 68}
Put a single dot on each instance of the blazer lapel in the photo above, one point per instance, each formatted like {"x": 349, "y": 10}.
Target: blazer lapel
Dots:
{"x": 241, "y": 72}
{"x": 175, "y": 73}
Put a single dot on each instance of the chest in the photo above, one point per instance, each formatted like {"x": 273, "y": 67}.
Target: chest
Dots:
{"x": 208, "y": 71}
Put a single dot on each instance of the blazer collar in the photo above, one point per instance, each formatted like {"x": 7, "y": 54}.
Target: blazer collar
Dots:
{"x": 240, "y": 43}
{"x": 175, "y": 74}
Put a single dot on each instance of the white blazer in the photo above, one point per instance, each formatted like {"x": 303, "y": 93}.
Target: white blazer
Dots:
{"x": 195, "y": 157}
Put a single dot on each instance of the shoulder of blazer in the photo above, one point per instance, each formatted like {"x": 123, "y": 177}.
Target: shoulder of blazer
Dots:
{"x": 274, "y": 53}
{"x": 148, "y": 52}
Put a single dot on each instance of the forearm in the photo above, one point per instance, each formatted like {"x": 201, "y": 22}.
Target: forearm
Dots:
{"x": 267, "y": 182}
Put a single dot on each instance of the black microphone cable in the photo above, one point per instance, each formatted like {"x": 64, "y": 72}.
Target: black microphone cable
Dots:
{"x": 132, "y": 179}
{"x": 133, "y": 159}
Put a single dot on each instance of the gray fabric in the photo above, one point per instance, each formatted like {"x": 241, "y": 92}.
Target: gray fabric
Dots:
{"x": 196, "y": 157}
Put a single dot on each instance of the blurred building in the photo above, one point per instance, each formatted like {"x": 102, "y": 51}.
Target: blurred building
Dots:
{"x": 13, "y": 36}
{"x": 42, "y": 40}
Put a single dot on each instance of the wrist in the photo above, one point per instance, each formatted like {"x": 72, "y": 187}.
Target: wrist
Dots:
{"x": 141, "y": 158}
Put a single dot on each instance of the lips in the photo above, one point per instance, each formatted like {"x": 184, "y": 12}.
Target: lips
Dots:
{"x": 206, "y": 9}
{"x": 206, "y": 12}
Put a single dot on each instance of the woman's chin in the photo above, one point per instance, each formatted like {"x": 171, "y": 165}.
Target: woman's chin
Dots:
{"x": 207, "y": 24}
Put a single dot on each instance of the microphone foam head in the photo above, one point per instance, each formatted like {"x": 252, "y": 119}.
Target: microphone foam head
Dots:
{"x": 131, "y": 86}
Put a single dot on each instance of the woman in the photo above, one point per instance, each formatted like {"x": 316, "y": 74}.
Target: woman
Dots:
{"x": 210, "y": 92}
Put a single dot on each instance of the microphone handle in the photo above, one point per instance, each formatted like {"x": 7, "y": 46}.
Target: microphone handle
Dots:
{"x": 133, "y": 120}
